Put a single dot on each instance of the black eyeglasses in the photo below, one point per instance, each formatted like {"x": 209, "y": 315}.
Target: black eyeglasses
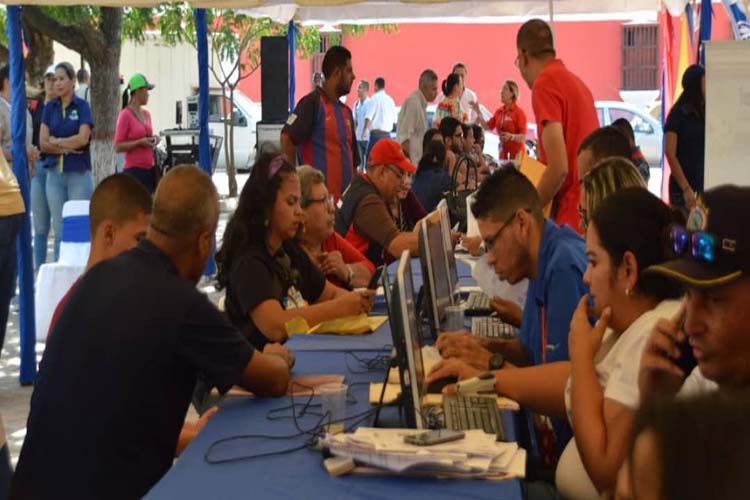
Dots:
{"x": 489, "y": 244}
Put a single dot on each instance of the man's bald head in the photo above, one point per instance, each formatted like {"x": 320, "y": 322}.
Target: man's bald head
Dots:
{"x": 535, "y": 38}
{"x": 186, "y": 204}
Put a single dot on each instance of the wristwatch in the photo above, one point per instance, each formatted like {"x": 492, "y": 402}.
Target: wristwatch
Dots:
{"x": 497, "y": 361}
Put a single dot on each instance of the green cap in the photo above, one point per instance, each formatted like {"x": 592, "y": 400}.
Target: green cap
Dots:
{"x": 138, "y": 81}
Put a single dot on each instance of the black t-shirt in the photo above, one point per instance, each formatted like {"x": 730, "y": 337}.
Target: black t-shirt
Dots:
{"x": 257, "y": 277}
{"x": 691, "y": 145}
{"x": 117, "y": 377}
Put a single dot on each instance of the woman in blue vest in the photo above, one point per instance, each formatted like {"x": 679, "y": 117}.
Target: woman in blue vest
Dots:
{"x": 65, "y": 134}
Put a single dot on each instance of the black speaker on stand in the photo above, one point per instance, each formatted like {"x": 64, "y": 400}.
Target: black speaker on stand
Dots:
{"x": 274, "y": 90}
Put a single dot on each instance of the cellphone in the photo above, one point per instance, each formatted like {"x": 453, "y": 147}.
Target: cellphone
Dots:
{"x": 430, "y": 438}
{"x": 686, "y": 361}
{"x": 373, "y": 284}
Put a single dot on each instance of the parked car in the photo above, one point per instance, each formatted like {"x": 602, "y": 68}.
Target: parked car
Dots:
{"x": 648, "y": 134}
{"x": 245, "y": 114}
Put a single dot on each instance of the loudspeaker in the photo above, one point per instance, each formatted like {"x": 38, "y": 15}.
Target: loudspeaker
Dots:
{"x": 274, "y": 78}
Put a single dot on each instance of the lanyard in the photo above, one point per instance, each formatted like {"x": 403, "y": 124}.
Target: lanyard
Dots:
{"x": 543, "y": 319}
{"x": 62, "y": 156}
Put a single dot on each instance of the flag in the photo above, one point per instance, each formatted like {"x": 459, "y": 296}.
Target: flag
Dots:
{"x": 706, "y": 13}
{"x": 738, "y": 18}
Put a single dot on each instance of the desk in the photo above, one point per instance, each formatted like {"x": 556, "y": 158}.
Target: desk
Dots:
{"x": 299, "y": 474}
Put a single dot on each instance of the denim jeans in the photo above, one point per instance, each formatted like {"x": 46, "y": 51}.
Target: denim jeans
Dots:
{"x": 375, "y": 136}
{"x": 362, "y": 146}
{"x": 40, "y": 214}
{"x": 146, "y": 176}
{"x": 9, "y": 227}
{"x": 62, "y": 187}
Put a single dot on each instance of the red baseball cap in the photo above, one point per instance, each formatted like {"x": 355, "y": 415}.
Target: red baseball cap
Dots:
{"x": 389, "y": 152}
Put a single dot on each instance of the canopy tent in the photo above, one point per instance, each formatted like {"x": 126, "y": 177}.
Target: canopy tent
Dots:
{"x": 302, "y": 11}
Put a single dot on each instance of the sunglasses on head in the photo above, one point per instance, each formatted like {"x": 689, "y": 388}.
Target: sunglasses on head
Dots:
{"x": 702, "y": 245}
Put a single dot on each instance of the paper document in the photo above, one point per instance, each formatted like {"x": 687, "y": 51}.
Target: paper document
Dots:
{"x": 490, "y": 284}
{"x": 350, "y": 325}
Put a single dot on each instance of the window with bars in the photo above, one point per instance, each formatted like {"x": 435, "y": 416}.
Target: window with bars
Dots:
{"x": 640, "y": 57}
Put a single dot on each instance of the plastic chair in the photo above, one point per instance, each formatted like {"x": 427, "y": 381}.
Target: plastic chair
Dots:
{"x": 55, "y": 279}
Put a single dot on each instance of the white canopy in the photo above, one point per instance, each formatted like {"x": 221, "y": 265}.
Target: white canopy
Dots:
{"x": 400, "y": 11}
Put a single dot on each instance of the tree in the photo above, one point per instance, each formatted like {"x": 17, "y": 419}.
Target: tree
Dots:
{"x": 41, "y": 53}
{"x": 95, "y": 33}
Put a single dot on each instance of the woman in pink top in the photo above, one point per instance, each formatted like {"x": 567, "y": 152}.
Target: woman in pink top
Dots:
{"x": 134, "y": 135}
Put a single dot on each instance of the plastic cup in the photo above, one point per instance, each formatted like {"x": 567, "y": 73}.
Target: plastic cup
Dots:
{"x": 454, "y": 318}
{"x": 333, "y": 404}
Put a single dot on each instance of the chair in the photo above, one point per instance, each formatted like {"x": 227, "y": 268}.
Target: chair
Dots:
{"x": 55, "y": 279}
{"x": 6, "y": 471}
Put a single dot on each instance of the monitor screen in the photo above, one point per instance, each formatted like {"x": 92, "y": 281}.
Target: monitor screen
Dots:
{"x": 434, "y": 268}
{"x": 412, "y": 339}
{"x": 450, "y": 256}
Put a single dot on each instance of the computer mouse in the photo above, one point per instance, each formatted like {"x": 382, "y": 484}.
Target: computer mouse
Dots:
{"x": 436, "y": 387}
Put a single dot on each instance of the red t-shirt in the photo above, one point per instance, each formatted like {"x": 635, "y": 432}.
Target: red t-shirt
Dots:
{"x": 349, "y": 253}
{"x": 560, "y": 96}
{"x": 60, "y": 307}
{"x": 130, "y": 128}
{"x": 512, "y": 120}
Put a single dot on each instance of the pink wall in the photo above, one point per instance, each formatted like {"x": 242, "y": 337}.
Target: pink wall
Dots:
{"x": 590, "y": 49}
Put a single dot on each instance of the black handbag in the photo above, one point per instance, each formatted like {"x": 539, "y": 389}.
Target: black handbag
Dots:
{"x": 456, "y": 196}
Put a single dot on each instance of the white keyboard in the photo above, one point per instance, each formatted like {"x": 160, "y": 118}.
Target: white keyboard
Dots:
{"x": 492, "y": 328}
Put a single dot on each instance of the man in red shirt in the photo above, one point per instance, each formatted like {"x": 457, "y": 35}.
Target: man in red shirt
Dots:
{"x": 565, "y": 115}
{"x": 118, "y": 217}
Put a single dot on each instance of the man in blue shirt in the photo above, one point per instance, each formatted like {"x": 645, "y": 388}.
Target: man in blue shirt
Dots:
{"x": 522, "y": 244}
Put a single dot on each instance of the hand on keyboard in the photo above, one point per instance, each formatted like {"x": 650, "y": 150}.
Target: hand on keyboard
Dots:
{"x": 465, "y": 347}
{"x": 451, "y": 368}
{"x": 507, "y": 310}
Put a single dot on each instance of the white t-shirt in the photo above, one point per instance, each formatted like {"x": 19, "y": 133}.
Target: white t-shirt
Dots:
{"x": 381, "y": 111}
{"x": 617, "y": 365}
{"x": 697, "y": 384}
{"x": 467, "y": 98}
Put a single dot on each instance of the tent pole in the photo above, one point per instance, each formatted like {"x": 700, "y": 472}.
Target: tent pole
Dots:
{"x": 204, "y": 148}
{"x": 552, "y": 17}
{"x": 21, "y": 170}
{"x": 290, "y": 34}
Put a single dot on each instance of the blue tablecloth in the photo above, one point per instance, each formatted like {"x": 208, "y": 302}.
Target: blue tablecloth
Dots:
{"x": 299, "y": 474}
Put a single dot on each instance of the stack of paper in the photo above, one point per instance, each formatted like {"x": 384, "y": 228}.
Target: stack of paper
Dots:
{"x": 477, "y": 455}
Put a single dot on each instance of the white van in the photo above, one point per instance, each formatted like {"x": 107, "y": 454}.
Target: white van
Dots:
{"x": 245, "y": 114}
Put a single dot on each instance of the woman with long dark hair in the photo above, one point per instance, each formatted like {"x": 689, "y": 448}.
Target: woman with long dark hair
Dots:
{"x": 64, "y": 135}
{"x": 134, "y": 134}
{"x": 432, "y": 180}
{"x": 269, "y": 279}
{"x": 685, "y": 139}
{"x": 452, "y": 87}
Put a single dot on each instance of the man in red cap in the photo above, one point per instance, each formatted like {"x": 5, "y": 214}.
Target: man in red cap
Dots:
{"x": 362, "y": 215}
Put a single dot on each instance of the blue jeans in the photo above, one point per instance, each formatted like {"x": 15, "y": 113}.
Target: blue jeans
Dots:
{"x": 362, "y": 147}
{"x": 146, "y": 176}
{"x": 40, "y": 213}
{"x": 375, "y": 136}
{"x": 9, "y": 227}
{"x": 62, "y": 187}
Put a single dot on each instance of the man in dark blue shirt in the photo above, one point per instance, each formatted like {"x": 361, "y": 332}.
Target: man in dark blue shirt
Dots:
{"x": 118, "y": 373}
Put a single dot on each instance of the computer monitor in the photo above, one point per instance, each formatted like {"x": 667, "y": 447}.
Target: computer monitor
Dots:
{"x": 436, "y": 285}
{"x": 387, "y": 292}
{"x": 450, "y": 255}
{"x": 412, "y": 379}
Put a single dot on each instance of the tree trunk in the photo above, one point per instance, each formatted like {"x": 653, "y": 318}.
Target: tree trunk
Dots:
{"x": 231, "y": 167}
{"x": 41, "y": 54}
{"x": 105, "y": 96}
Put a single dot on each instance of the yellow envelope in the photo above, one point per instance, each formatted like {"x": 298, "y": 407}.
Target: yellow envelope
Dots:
{"x": 349, "y": 325}
{"x": 533, "y": 170}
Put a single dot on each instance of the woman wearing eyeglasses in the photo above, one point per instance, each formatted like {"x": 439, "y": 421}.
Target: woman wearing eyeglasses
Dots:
{"x": 342, "y": 264}
{"x": 269, "y": 279}
{"x": 597, "y": 390}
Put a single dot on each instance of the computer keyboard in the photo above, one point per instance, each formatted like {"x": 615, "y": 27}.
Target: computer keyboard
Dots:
{"x": 477, "y": 303}
{"x": 492, "y": 328}
{"x": 462, "y": 413}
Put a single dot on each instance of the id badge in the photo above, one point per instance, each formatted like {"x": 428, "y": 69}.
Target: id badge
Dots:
{"x": 294, "y": 299}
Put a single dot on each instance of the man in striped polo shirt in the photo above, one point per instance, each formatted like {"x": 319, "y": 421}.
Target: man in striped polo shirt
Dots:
{"x": 321, "y": 130}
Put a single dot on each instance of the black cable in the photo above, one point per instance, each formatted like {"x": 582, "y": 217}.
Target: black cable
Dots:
{"x": 313, "y": 432}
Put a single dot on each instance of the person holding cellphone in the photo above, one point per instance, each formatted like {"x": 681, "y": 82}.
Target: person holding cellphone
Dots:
{"x": 134, "y": 134}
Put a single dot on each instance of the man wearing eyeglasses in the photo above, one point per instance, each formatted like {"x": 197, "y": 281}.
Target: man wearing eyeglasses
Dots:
{"x": 363, "y": 216}
{"x": 522, "y": 244}
{"x": 713, "y": 263}
{"x": 565, "y": 114}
